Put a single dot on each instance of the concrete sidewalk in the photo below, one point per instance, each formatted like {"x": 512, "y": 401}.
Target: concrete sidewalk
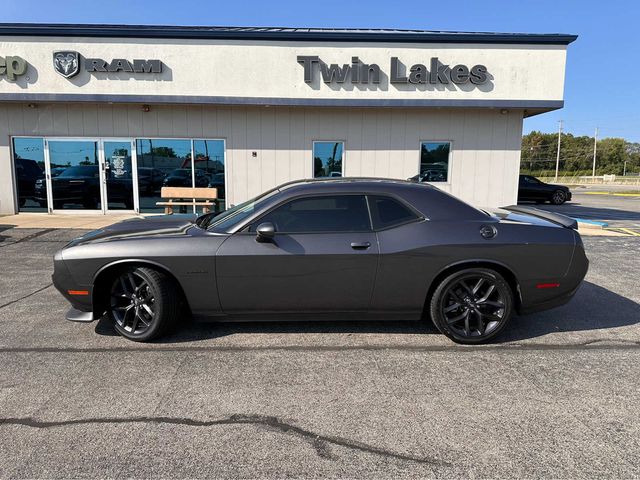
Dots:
{"x": 39, "y": 220}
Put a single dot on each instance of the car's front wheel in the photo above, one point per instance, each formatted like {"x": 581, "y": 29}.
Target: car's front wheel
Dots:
{"x": 472, "y": 306}
{"x": 558, "y": 197}
{"x": 143, "y": 304}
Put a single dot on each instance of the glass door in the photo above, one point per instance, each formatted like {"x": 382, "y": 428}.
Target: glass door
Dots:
{"x": 74, "y": 174}
{"x": 119, "y": 172}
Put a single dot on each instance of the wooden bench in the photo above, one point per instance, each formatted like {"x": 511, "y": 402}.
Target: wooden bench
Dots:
{"x": 200, "y": 197}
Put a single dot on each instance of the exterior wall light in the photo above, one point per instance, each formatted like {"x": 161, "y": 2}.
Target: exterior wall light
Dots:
{"x": 146, "y": 108}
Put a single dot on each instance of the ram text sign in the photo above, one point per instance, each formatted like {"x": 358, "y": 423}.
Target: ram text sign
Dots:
{"x": 67, "y": 64}
{"x": 362, "y": 73}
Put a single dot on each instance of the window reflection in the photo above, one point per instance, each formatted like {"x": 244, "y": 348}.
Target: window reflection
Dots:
{"x": 434, "y": 162}
{"x": 327, "y": 159}
{"x": 28, "y": 159}
{"x": 77, "y": 181}
{"x": 161, "y": 163}
{"x": 209, "y": 165}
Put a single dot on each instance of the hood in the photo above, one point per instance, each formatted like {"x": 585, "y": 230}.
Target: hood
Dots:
{"x": 152, "y": 226}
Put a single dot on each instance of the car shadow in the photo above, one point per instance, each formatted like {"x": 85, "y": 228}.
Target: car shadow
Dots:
{"x": 192, "y": 331}
{"x": 593, "y": 308}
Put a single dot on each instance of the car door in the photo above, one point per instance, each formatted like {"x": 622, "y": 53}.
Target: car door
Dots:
{"x": 323, "y": 258}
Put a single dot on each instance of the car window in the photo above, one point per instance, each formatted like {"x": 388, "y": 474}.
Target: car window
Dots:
{"x": 387, "y": 212}
{"x": 530, "y": 180}
{"x": 331, "y": 213}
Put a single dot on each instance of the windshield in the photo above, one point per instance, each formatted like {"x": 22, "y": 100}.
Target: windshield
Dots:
{"x": 229, "y": 218}
{"x": 181, "y": 172}
{"x": 83, "y": 171}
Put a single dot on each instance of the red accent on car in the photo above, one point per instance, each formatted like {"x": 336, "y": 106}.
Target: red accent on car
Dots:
{"x": 547, "y": 285}
{"x": 78, "y": 292}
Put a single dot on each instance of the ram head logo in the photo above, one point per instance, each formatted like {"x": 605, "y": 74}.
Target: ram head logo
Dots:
{"x": 66, "y": 63}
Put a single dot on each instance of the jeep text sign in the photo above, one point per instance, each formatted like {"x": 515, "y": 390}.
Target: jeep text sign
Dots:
{"x": 12, "y": 67}
{"x": 359, "y": 72}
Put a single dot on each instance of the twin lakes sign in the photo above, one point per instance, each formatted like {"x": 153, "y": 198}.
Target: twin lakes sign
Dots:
{"x": 67, "y": 63}
{"x": 363, "y": 73}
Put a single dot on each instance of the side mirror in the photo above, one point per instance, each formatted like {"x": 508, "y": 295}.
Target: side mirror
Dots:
{"x": 265, "y": 232}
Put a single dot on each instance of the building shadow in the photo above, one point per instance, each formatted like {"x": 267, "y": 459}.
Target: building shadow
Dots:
{"x": 593, "y": 308}
{"x": 4, "y": 228}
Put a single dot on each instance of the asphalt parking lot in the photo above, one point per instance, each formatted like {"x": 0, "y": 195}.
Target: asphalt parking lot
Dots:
{"x": 590, "y": 203}
{"x": 556, "y": 396}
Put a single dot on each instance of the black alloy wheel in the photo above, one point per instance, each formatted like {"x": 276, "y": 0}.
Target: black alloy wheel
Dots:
{"x": 472, "y": 306}
{"x": 558, "y": 197}
{"x": 143, "y": 303}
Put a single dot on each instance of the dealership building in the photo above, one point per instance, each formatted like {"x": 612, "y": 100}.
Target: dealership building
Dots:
{"x": 98, "y": 118}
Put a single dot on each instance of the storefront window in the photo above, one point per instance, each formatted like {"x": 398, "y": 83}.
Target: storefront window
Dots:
{"x": 209, "y": 167}
{"x": 161, "y": 163}
{"x": 434, "y": 161}
{"x": 327, "y": 159}
{"x": 28, "y": 160}
{"x": 75, "y": 174}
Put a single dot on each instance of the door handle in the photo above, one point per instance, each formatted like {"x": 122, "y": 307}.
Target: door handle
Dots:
{"x": 360, "y": 245}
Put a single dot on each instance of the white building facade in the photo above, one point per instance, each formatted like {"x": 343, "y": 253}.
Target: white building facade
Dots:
{"x": 99, "y": 118}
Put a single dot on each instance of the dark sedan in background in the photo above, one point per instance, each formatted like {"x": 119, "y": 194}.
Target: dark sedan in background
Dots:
{"x": 534, "y": 190}
{"x": 327, "y": 249}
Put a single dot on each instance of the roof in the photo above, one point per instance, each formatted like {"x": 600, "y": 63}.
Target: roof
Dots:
{"x": 280, "y": 33}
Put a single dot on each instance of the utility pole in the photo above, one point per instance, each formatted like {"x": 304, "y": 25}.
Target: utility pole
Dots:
{"x": 624, "y": 169}
{"x": 558, "y": 154}
{"x": 595, "y": 147}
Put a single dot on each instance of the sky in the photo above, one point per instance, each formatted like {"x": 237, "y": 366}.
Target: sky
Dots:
{"x": 603, "y": 65}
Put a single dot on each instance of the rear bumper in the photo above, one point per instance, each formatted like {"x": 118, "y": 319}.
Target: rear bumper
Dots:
{"x": 548, "y": 304}
{"x": 536, "y": 300}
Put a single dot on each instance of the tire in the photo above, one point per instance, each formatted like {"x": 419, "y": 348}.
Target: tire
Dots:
{"x": 143, "y": 303}
{"x": 558, "y": 197}
{"x": 484, "y": 305}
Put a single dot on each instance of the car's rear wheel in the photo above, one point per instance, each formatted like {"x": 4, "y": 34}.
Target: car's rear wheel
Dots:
{"x": 472, "y": 306}
{"x": 143, "y": 303}
{"x": 558, "y": 197}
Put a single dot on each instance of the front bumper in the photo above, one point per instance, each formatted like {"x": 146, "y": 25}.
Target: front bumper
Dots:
{"x": 75, "y": 315}
{"x": 82, "y": 305}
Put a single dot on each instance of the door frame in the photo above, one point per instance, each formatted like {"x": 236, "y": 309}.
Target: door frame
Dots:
{"x": 102, "y": 160}
{"x": 49, "y": 180}
{"x": 104, "y": 210}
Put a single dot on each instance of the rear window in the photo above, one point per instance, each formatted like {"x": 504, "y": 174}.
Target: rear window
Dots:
{"x": 387, "y": 212}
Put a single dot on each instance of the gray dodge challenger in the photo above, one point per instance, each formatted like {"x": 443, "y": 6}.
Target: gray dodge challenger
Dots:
{"x": 338, "y": 248}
